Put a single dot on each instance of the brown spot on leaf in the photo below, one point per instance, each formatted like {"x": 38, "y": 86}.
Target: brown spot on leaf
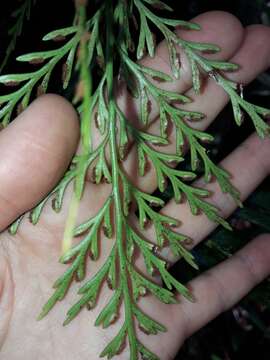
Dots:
{"x": 37, "y": 61}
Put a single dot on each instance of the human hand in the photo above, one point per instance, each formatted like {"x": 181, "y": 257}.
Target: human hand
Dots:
{"x": 35, "y": 151}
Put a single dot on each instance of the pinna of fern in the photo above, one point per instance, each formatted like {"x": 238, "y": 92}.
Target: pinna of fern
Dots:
{"x": 87, "y": 50}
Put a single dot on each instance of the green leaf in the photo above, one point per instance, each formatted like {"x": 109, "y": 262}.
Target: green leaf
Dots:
{"x": 184, "y": 24}
{"x": 164, "y": 295}
{"x": 131, "y": 81}
{"x": 36, "y": 212}
{"x": 149, "y": 40}
{"x": 115, "y": 346}
{"x": 44, "y": 84}
{"x": 60, "y": 32}
{"x": 88, "y": 298}
{"x": 262, "y": 128}
{"x": 107, "y": 226}
{"x": 161, "y": 179}
{"x": 153, "y": 139}
{"x": 155, "y": 74}
{"x": 102, "y": 169}
{"x": 14, "y": 79}
{"x": 94, "y": 250}
{"x": 225, "y": 66}
{"x": 174, "y": 96}
{"x": 60, "y": 292}
{"x": 126, "y": 197}
{"x": 174, "y": 59}
{"x": 94, "y": 283}
{"x": 146, "y": 323}
{"x": 102, "y": 114}
{"x": 178, "y": 115}
{"x": 60, "y": 190}
{"x": 84, "y": 226}
{"x": 262, "y": 111}
{"x": 92, "y": 42}
{"x": 67, "y": 256}
{"x": 153, "y": 200}
{"x": 141, "y": 44}
{"x": 203, "y": 47}
{"x": 111, "y": 278}
{"x": 169, "y": 158}
{"x": 238, "y": 113}
{"x": 181, "y": 289}
{"x": 194, "y": 157}
{"x": 159, "y": 229}
{"x": 130, "y": 245}
{"x": 146, "y": 354}
{"x": 177, "y": 193}
{"x": 144, "y": 102}
{"x": 109, "y": 313}
{"x": 179, "y": 251}
{"x": 141, "y": 160}
{"x": 203, "y": 136}
{"x": 13, "y": 228}
{"x": 157, "y": 4}
{"x": 67, "y": 68}
{"x": 37, "y": 57}
{"x": 180, "y": 141}
{"x": 89, "y": 293}
{"x": 196, "y": 76}
{"x": 123, "y": 138}
{"x": 163, "y": 122}
{"x": 79, "y": 184}
{"x": 226, "y": 186}
{"x": 148, "y": 264}
{"x": 142, "y": 213}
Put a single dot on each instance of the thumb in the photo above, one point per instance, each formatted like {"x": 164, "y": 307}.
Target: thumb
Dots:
{"x": 35, "y": 150}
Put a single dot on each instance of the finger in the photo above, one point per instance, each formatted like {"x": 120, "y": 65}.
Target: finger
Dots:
{"x": 249, "y": 164}
{"x": 220, "y": 288}
{"x": 251, "y": 67}
{"x": 213, "y": 29}
{"x": 217, "y": 27}
{"x": 213, "y": 25}
{"x": 256, "y": 41}
{"x": 35, "y": 151}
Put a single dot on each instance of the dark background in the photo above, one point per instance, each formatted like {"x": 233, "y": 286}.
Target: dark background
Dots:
{"x": 244, "y": 331}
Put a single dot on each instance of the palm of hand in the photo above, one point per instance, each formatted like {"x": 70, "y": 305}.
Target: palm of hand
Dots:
{"x": 29, "y": 260}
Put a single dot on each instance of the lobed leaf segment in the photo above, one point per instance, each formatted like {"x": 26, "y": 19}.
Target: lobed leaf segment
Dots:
{"x": 20, "y": 14}
{"x": 111, "y": 53}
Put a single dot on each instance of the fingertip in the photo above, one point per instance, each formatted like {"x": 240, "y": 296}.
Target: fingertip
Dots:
{"x": 55, "y": 113}
{"x": 254, "y": 54}
{"x": 258, "y": 36}
{"x": 220, "y": 18}
{"x": 60, "y": 104}
{"x": 260, "y": 32}
{"x": 35, "y": 149}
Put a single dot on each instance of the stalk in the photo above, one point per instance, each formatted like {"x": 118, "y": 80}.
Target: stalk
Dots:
{"x": 116, "y": 188}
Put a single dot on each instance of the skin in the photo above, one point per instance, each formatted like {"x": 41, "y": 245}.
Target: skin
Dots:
{"x": 35, "y": 151}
